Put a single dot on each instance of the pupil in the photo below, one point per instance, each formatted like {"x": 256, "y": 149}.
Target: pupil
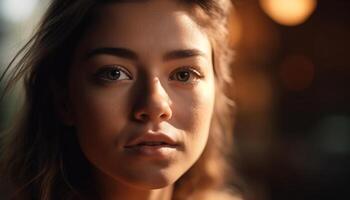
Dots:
{"x": 183, "y": 76}
{"x": 115, "y": 74}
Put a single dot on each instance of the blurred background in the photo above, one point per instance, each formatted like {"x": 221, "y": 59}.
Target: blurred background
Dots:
{"x": 292, "y": 75}
{"x": 18, "y": 20}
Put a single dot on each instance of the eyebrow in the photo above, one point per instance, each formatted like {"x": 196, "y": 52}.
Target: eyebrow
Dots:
{"x": 185, "y": 53}
{"x": 131, "y": 55}
{"x": 120, "y": 52}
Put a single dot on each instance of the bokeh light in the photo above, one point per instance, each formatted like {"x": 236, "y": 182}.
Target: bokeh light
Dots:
{"x": 254, "y": 92}
{"x": 332, "y": 134}
{"x": 289, "y": 12}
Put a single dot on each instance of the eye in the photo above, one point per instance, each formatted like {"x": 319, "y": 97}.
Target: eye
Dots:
{"x": 185, "y": 75}
{"x": 113, "y": 73}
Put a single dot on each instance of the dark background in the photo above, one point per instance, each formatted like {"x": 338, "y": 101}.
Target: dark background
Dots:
{"x": 293, "y": 93}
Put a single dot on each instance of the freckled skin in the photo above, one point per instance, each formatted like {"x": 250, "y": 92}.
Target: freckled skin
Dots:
{"x": 107, "y": 113}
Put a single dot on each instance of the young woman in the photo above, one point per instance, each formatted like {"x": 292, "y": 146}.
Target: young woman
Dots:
{"x": 124, "y": 100}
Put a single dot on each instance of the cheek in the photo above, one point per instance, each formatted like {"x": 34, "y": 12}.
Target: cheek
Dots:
{"x": 100, "y": 109}
{"x": 193, "y": 114}
{"x": 196, "y": 106}
{"x": 98, "y": 114}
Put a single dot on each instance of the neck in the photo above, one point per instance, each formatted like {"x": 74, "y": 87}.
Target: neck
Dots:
{"x": 134, "y": 194}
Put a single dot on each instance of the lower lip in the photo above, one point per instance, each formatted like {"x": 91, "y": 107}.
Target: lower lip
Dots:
{"x": 158, "y": 151}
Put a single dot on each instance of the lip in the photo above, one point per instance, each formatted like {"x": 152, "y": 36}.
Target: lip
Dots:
{"x": 154, "y": 138}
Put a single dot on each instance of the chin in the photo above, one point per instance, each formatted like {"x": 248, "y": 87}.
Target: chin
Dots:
{"x": 153, "y": 182}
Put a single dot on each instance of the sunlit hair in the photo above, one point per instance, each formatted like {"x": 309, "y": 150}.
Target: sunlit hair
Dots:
{"x": 41, "y": 156}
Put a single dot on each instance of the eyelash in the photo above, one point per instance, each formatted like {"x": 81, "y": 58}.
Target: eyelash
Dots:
{"x": 103, "y": 74}
{"x": 195, "y": 74}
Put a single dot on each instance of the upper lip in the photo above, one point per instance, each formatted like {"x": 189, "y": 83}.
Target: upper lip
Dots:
{"x": 153, "y": 137}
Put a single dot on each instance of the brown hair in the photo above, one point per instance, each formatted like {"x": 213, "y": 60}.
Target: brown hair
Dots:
{"x": 39, "y": 156}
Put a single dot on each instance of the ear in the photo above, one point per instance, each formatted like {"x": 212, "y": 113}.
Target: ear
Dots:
{"x": 62, "y": 106}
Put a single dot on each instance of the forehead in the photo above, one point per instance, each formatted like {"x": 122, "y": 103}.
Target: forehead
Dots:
{"x": 146, "y": 26}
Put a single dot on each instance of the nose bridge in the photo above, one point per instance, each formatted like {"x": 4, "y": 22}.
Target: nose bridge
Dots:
{"x": 157, "y": 92}
{"x": 154, "y": 101}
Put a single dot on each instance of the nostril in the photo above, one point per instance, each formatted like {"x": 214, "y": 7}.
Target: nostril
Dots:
{"x": 157, "y": 111}
{"x": 143, "y": 117}
{"x": 163, "y": 116}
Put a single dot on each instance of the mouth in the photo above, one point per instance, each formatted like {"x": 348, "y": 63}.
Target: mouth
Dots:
{"x": 152, "y": 144}
{"x": 152, "y": 140}
{"x": 158, "y": 145}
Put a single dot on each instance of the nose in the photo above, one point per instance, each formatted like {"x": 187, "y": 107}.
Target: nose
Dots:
{"x": 154, "y": 104}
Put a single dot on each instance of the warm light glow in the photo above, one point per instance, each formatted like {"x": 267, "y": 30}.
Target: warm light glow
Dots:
{"x": 235, "y": 28}
{"x": 17, "y": 10}
{"x": 289, "y": 12}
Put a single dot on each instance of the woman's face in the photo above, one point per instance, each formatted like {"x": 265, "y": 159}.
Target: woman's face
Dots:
{"x": 141, "y": 93}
